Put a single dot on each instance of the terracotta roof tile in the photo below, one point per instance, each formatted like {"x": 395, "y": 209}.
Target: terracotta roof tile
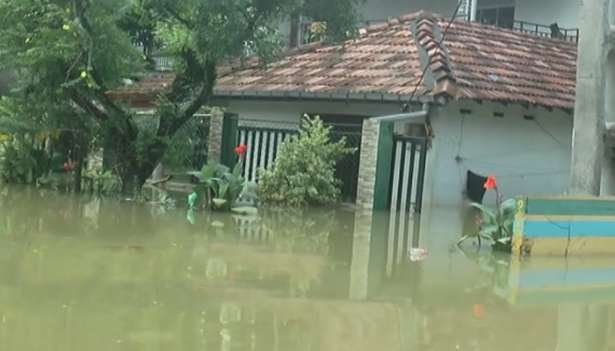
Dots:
{"x": 475, "y": 62}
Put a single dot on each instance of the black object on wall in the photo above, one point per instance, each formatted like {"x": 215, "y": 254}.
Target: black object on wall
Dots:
{"x": 475, "y": 189}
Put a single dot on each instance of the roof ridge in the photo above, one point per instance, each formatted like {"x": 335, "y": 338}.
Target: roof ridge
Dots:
{"x": 434, "y": 55}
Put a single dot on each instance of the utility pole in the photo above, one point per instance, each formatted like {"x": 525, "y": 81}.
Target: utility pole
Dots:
{"x": 588, "y": 147}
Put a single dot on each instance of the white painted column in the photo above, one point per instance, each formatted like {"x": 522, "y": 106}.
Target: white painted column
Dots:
{"x": 607, "y": 187}
{"x": 473, "y": 10}
{"x": 589, "y": 122}
{"x": 359, "y": 267}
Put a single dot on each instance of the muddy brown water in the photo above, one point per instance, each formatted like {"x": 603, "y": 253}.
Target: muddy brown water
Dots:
{"x": 80, "y": 273}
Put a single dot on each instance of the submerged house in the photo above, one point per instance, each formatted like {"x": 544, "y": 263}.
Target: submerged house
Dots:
{"x": 497, "y": 101}
{"x": 470, "y": 99}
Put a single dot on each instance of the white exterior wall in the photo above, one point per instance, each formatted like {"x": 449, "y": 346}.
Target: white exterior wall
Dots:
{"x": 292, "y": 111}
{"x": 384, "y": 9}
{"x": 526, "y": 156}
{"x": 546, "y": 12}
{"x": 564, "y": 12}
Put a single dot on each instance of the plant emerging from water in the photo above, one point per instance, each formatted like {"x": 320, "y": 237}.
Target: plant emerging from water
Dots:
{"x": 220, "y": 186}
{"x": 304, "y": 171}
{"x": 23, "y": 159}
{"x": 495, "y": 225}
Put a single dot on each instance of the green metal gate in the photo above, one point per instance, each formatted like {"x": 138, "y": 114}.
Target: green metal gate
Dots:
{"x": 406, "y": 195}
{"x": 408, "y": 174}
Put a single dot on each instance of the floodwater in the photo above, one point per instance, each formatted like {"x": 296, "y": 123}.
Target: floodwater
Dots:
{"x": 77, "y": 273}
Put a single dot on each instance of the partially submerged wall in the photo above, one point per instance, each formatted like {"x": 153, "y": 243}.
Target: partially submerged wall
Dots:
{"x": 528, "y": 150}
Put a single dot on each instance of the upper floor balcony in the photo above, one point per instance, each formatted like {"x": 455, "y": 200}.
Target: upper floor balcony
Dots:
{"x": 553, "y": 31}
{"x": 544, "y": 18}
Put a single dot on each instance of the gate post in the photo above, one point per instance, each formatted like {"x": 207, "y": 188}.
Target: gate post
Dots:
{"x": 222, "y": 137}
{"x": 214, "y": 139}
{"x": 382, "y": 184}
{"x": 375, "y": 165}
{"x": 229, "y": 140}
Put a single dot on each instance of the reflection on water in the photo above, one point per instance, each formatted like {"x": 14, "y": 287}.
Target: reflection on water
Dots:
{"x": 84, "y": 274}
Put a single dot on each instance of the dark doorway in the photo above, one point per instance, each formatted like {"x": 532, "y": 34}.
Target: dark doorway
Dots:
{"x": 347, "y": 170}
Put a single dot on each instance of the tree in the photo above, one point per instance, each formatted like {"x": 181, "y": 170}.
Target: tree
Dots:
{"x": 73, "y": 52}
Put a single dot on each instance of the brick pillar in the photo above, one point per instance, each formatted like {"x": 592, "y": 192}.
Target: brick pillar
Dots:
{"x": 367, "y": 164}
{"x": 214, "y": 149}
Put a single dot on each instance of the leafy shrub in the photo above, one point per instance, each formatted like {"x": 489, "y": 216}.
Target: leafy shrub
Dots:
{"x": 22, "y": 161}
{"x": 304, "y": 171}
{"x": 101, "y": 182}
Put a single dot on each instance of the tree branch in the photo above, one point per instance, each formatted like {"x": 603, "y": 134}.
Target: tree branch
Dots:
{"x": 199, "y": 100}
{"x": 80, "y": 7}
{"x": 178, "y": 17}
{"x": 88, "y": 106}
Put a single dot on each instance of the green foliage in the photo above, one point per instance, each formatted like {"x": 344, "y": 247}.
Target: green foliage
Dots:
{"x": 304, "y": 171}
{"x": 68, "y": 54}
{"x": 23, "y": 161}
{"x": 221, "y": 186}
{"x": 102, "y": 182}
{"x": 495, "y": 225}
{"x": 338, "y": 17}
{"x": 187, "y": 150}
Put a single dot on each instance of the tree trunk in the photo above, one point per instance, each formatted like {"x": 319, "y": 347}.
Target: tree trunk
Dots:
{"x": 78, "y": 154}
{"x": 134, "y": 169}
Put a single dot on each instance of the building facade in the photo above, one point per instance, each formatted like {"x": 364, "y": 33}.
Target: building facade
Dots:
{"x": 500, "y": 103}
{"x": 523, "y": 15}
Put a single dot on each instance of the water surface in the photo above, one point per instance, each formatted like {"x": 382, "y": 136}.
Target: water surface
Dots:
{"x": 80, "y": 273}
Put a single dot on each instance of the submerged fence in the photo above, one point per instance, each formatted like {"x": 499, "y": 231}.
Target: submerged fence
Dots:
{"x": 263, "y": 140}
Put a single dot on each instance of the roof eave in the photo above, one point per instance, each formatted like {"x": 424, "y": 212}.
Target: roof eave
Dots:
{"x": 329, "y": 96}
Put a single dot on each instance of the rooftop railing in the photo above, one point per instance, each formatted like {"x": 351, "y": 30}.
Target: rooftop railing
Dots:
{"x": 551, "y": 31}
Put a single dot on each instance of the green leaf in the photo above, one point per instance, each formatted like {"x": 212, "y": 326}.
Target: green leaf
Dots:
{"x": 508, "y": 207}
{"x": 505, "y": 240}
{"x": 192, "y": 199}
{"x": 237, "y": 170}
{"x": 489, "y": 215}
{"x": 463, "y": 239}
{"x": 209, "y": 171}
{"x": 224, "y": 187}
{"x": 491, "y": 229}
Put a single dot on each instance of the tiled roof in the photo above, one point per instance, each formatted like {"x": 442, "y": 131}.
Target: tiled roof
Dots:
{"x": 386, "y": 63}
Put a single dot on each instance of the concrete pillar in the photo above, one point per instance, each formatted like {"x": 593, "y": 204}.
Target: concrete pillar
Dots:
{"x": 607, "y": 184}
{"x": 582, "y": 327}
{"x": 589, "y": 121}
{"x": 608, "y": 165}
{"x": 368, "y": 164}
{"x": 473, "y": 10}
{"x": 359, "y": 267}
{"x": 570, "y": 321}
{"x": 214, "y": 148}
